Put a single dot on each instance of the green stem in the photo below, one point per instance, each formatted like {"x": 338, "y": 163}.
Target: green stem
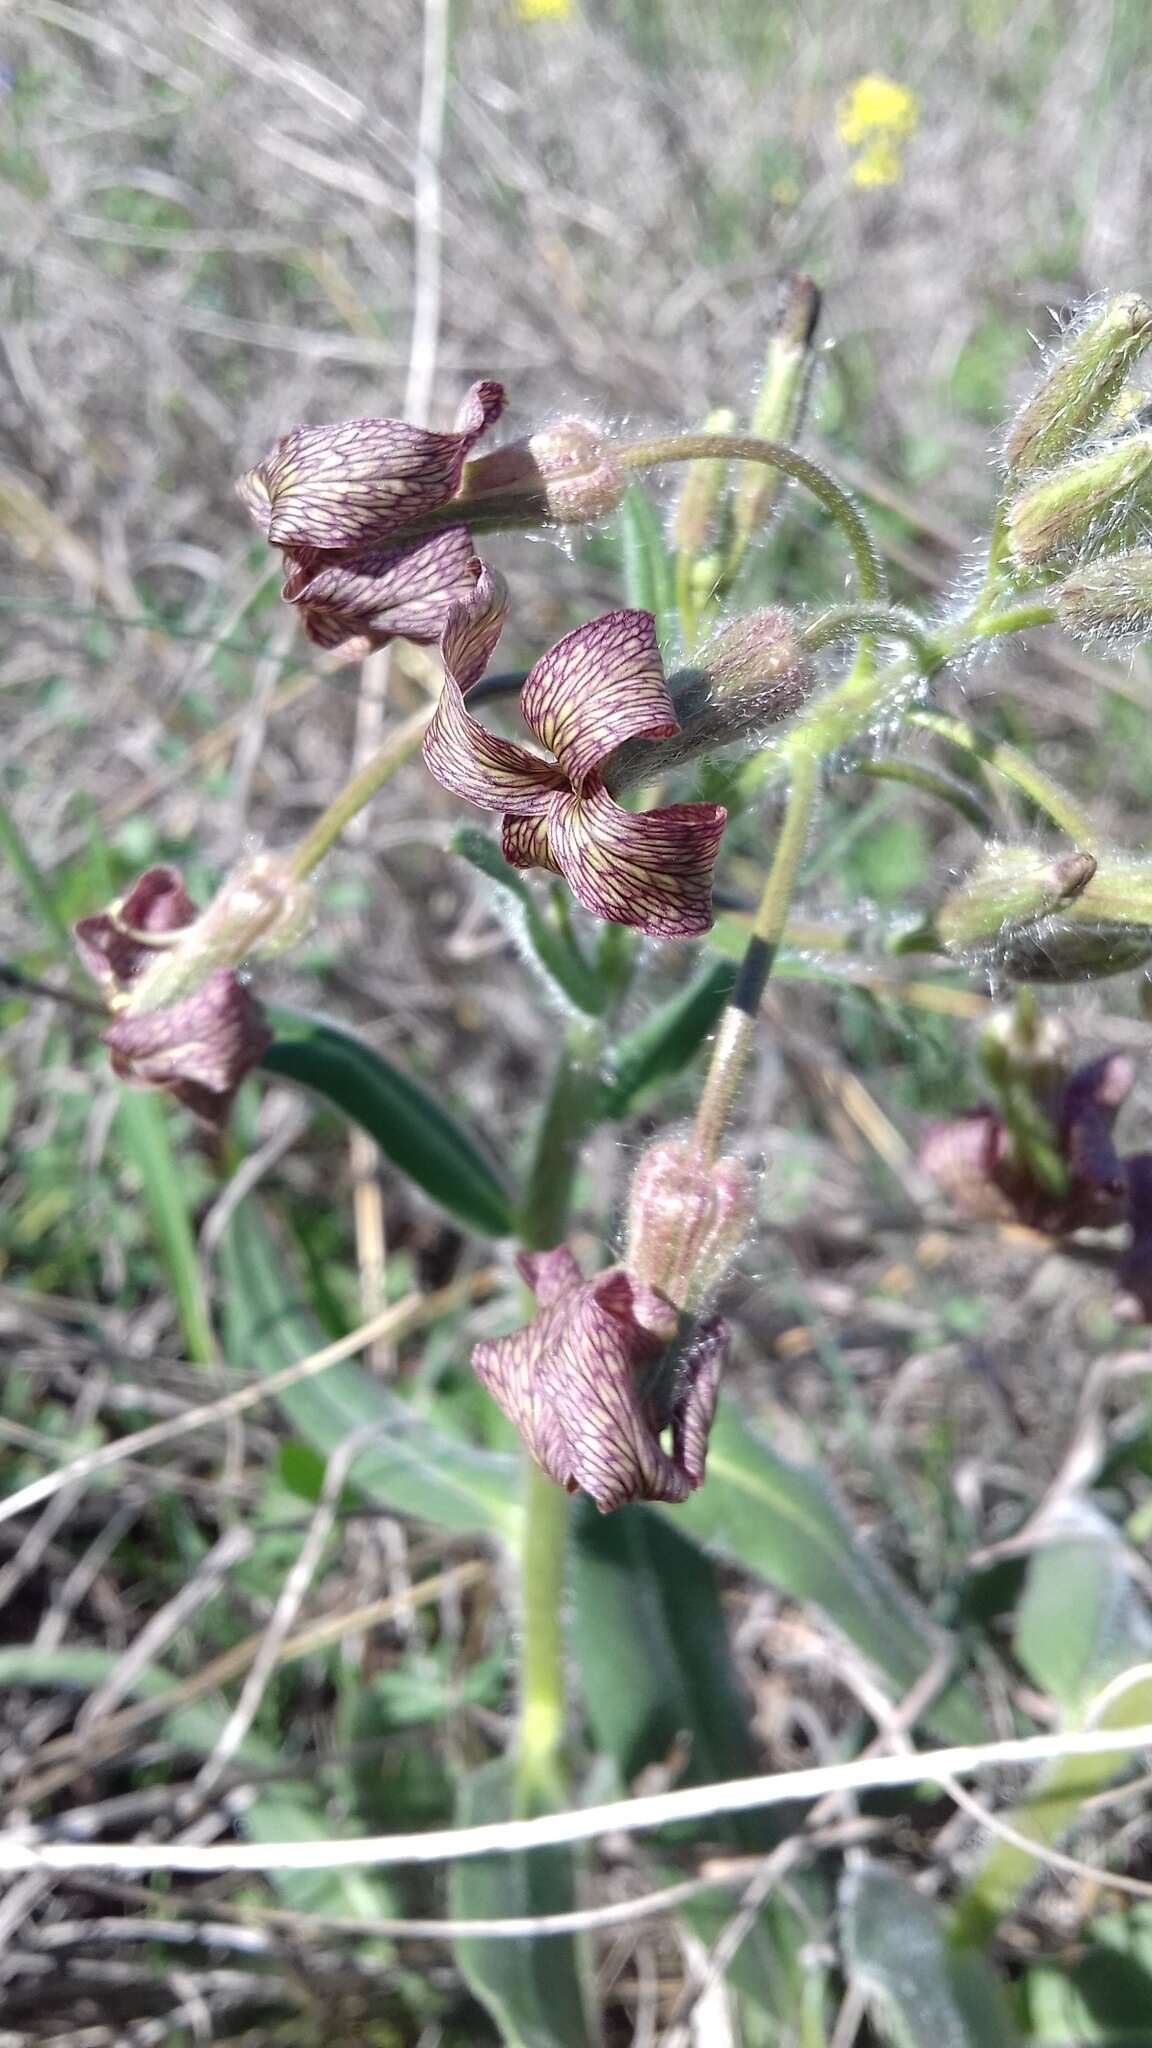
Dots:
{"x": 751, "y": 448}
{"x": 844, "y": 620}
{"x": 543, "y": 1223}
{"x": 359, "y": 791}
{"x": 1017, "y": 769}
{"x": 734, "y": 1037}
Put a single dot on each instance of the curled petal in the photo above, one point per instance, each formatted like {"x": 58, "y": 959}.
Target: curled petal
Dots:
{"x": 198, "y": 1050}
{"x": 363, "y": 600}
{"x": 650, "y": 869}
{"x": 599, "y": 686}
{"x": 694, "y": 1405}
{"x": 588, "y": 1377}
{"x": 114, "y": 945}
{"x": 524, "y": 840}
{"x": 354, "y": 483}
{"x": 462, "y": 754}
{"x": 550, "y": 1275}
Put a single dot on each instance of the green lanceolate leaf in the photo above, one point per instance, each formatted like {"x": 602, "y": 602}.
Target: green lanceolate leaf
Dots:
{"x": 1104, "y": 1999}
{"x": 555, "y": 948}
{"x": 783, "y": 1522}
{"x": 534, "y": 1988}
{"x": 663, "y": 1046}
{"x": 1081, "y": 1625}
{"x": 410, "y": 1127}
{"x": 407, "y": 1466}
{"x": 651, "y": 1648}
{"x": 646, "y": 565}
{"x": 920, "y": 1994}
{"x": 143, "y": 1127}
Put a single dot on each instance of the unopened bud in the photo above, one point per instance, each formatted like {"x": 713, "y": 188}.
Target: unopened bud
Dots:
{"x": 1010, "y": 888}
{"x": 1081, "y": 386}
{"x": 260, "y": 909}
{"x": 702, "y": 492}
{"x": 1019, "y": 1044}
{"x": 747, "y": 678}
{"x": 1077, "y": 509}
{"x": 567, "y": 471}
{"x": 1110, "y": 599}
{"x": 781, "y": 401}
{"x": 687, "y": 1217}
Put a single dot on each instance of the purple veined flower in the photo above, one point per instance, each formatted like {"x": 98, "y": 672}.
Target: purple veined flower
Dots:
{"x": 199, "y": 1046}
{"x": 600, "y": 686}
{"x": 581, "y": 1382}
{"x": 357, "y": 483}
{"x": 355, "y": 602}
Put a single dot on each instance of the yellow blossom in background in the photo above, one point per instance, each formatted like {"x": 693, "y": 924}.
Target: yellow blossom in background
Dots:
{"x": 543, "y": 10}
{"x": 874, "y": 117}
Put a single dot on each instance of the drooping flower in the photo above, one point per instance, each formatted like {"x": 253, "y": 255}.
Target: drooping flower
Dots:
{"x": 357, "y": 483}
{"x": 600, "y": 686}
{"x": 976, "y": 1161}
{"x": 182, "y": 1020}
{"x": 583, "y": 1383}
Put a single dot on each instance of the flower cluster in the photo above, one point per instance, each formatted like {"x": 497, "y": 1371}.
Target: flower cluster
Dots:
{"x": 874, "y": 119}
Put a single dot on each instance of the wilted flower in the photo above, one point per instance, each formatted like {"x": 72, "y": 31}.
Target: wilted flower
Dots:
{"x": 182, "y": 1020}
{"x": 981, "y": 1165}
{"x": 357, "y": 483}
{"x": 598, "y": 687}
{"x": 595, "y": 1378}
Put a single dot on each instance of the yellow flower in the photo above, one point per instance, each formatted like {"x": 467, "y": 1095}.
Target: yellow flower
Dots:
{"x": 873, "y": 119}
{"x": 543, "y": 10}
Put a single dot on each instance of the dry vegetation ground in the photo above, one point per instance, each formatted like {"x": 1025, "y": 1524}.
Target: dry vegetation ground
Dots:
{"x": 208, "y": 218}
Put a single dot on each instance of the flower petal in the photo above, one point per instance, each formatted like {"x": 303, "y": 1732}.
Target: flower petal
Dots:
{"x": 524, "y": 840}
{"x": 550, "y": 1275}
{"x": 199, "y": 1050}
{"x": 599, "y": 686}
{"x": 650, "y": 869}
{"x": 508, "y": 1368}
{"x": 587, "y": 1374}
{"x": 695, "y": 1403}
{"x": 114, "y": 944}
{"x": 462, "y": 754}
{"x": 354, "y": 483}
{"x": 377, "y": 594}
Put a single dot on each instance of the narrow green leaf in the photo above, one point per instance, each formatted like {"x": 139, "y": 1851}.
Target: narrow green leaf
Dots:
{"x": 783, "y": 1522}
{"x": 409, "y": 1126}
{"x": 408, "y": 1466}
{"x": 285, "y": 1811}
{"x": 920, "y": 1994}
{"x": 144, "y": 1128}
{"x": 651, "y": 1648}
{"x": 1104, "y": 1999}
{"x": 1081, "y": 1624}
{"x": 556, "y": 951}
{"x": 646, "y": 565}
{"x": 534, "y": 1988}
{"x": 666, "y": 1042}
{"x": 1081, "y": 1619}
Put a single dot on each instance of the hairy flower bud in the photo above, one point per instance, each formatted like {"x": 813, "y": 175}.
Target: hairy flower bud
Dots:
{"x": 1077, "y": 919}
{"x": 567, "y": 471}
{"x": 1077, "y": 510}
{"x": 686, "y": 1219}
{"x": 746, "y": 679}
{"x": 780, "y": 403}
{"x": 1110, "y": 599}
{"x": 1011, "y": 887}
{"x": 260, "y": 909}
{"x": 1081, "y": 385}
{"x": 701, "y": 493}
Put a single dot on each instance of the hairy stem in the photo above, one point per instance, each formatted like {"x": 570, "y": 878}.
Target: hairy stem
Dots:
{"x": 750, "y": 448}
{"x": 1016, "y": 768}
{"x": 734, "y": 1038}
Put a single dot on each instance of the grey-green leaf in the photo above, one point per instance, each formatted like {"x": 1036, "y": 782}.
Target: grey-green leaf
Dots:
{"x": 408, "y": 1467}
{"x": 920, "y": 1994}
{"x": 409, "y": 1125}
{"x": 533, "y": 1988}
{"x": 1081, "y": 1618}
{"x": 784, "y": 1522}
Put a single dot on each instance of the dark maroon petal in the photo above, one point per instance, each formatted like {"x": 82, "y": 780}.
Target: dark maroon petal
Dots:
{"x": 353, "y": 484}
{"x": 1092, "y": 1096}
{"x": 588, "y": 1375}
{"x": 508, "y": 1367}
{"x": 114, "y": 944}
{"x": 599, "y": 686}
{"x": 524, "y": 839}
{"x": 1135, "y": 1269}
{"x": 376, "y": 595}
{"x": 650, "y": 869}
{"x": 462, "y": 754}
{"x": 694, "y": 1405}
{"x": 199, "y": 1049}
